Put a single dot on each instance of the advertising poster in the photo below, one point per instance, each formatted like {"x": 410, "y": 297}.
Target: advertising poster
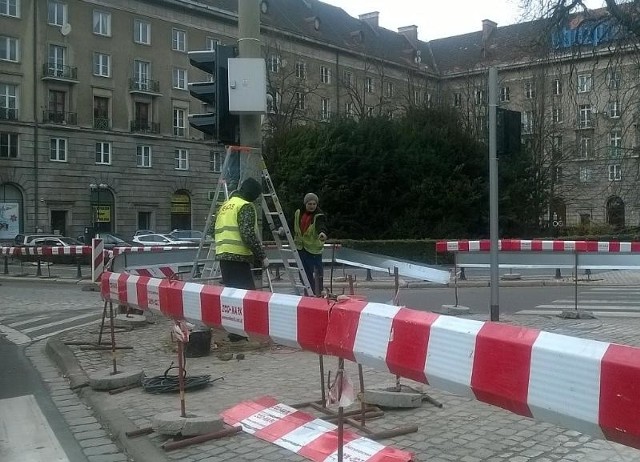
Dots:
{"x": 9, "y": 220}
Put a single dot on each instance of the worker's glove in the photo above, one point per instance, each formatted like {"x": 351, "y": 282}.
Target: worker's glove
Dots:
{"x": 281, "y": 232}
{"x": 322, "y": 237}
{"x": 265, "y": 262}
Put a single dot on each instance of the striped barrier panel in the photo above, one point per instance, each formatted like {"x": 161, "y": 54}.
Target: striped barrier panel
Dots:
{"x": 148, "y": 248}
{"x": 97, "y": 259}
{"x": 155, "y": 272}
{"x": 45, "y": 251}
{"x": 290, "y": 320}
{"x": 585, "y": 385}
{"x": 522, "y": 245}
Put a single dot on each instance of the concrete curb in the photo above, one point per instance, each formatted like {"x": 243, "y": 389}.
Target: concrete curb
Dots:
{"x": 140, "y": 449}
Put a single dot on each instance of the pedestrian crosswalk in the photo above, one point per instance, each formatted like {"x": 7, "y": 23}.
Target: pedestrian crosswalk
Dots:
{"x": 601, "y": 301}
{"x": 24, "y": 329}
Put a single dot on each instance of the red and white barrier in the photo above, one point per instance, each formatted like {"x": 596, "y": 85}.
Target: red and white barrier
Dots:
{"x": 306, "y": 435}
{"x": 45, "y": 251}
{"x": 155, "y": 271}
{"x": 585, "y": 385}
{"x": 522, "y": 245}
{"x": 290, "y": 320}
{"x": 97, "y": 259}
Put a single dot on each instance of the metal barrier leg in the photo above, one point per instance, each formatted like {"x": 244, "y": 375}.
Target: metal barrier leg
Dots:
{"x": 369, "y": 278}
{"x": 6, "y": 265}
{"x": 39, "y": 270}
{"x": 78, "y": 271}
{"x": 463, "y": 277}
{"x": 558, "y": 275}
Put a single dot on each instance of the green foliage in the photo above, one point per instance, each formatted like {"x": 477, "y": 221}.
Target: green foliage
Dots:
{"x": 410, "y": 178}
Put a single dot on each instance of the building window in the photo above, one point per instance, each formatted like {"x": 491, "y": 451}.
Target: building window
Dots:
{"x": 347, "y": 79}
{"x": 557, "y": 175}
{"x": 10, "y": 8}
{"x": 615, "y": 79}
{"x": 615, "y": 172}
{"x": 615, "y": 144}
{"x": 178, "y": 40}
{"x": 556, "y": 146}
{"x": 349, "y": 109}
{"x": 301, "y": 70}
{"x": 557, "y": 87}
{"x": 325, "y": 74}
{"x": 8, "y": 49}
{"x": 369, "y": 110}
{"x": 103, "y": 153}
{"x": 368, "y": 85}
{"x": 141, "y": 32}
{"x": 584, "y": 116}
{"x": 273, "y": 63}
{"x": 182, "y": 159}
{"x": 101, "y": 65}
{"x": 179, "y": 78}
{"x": 216, "y": 159}
{"x": 57, "y": 13}
{"x": 585, "y": 147}
{"x": 417, "y": 97}
{"x": 142, "y": 75}
{"x": 179, "y": 121}
{"x": 457, "y": 99}
{"x": 102, "y": 23}
{"x": 300, "y": 101}
{"x": 210, "y": 43}
{"x": 57, "y": 60}
{"x": 479, "y": 96}
{"x": 428, "y": 97}
{"x": 389, "y": 90}
{"x": 8, "y": 145}
{"x": 585, "y": 174}
{"x": 8, "y": 101}
{"x": 143, "y": 156}
{"x": 325, "y": 108}
{"x": 504, "y": 94}
{"x": 529, "y": 90}
{"x": 101, "y": 113}
{"x": 58, "y": 152}
{"x": 584, "y": 83}
{"x": 556, "y": 115}
{"x": 527, "y": 122}
{"x": 614, "y": 109}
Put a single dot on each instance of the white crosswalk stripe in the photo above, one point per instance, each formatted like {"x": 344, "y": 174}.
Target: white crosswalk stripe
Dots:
{"x": 24, "y": 330}
{"x": 601, "y": 301}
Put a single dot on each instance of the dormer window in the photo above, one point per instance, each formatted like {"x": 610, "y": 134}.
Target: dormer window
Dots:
{"x": 264, "y": 7}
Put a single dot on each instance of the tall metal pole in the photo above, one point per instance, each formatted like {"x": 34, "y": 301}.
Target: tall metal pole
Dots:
{"x": 249, "y": 46}
{"x": 493, "y": 192}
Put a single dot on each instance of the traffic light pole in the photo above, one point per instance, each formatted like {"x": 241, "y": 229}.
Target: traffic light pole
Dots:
{"x": 249, "y": 46}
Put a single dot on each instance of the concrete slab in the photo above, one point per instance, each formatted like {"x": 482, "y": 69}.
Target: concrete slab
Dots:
{"x": 130, "y": 320}
{"x": 107, "y": 380}
{"x": 393, "y": 399}
{"x": 172, "y": 423}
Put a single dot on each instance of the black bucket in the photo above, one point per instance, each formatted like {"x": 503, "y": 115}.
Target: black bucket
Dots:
{"x": 199, "y": 344}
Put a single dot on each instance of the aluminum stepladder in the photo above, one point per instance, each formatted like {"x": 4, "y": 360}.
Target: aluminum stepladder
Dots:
{"x": 239, "y": 164}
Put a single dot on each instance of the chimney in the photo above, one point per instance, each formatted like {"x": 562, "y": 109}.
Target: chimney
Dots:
{"x": 370, "y": 18}
{"x": 488, "y": 26}
{"x": 410, "y": 33}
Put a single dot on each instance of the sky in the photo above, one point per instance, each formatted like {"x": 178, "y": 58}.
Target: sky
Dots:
{"x": 437, "y": 19}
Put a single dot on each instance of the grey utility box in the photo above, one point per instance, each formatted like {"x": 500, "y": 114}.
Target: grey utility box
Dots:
{"x": 247, "y": 86}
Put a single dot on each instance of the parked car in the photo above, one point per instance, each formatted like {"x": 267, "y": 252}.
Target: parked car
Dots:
{"x": 142, "y": 232}
{"x": 160, "y": 239}
{"x": 27, "y": 239}
{"x": 192, "y": 235}
{"x": 109, "y": 240}
{"x": 54, "y": 241}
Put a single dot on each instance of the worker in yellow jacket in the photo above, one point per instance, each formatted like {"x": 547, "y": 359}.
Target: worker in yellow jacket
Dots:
{"x": 237, "y": 240}
{"x": 310, "y": 232}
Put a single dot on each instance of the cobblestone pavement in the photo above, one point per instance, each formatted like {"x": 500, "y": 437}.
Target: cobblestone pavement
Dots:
{"x": 462, "y": 430}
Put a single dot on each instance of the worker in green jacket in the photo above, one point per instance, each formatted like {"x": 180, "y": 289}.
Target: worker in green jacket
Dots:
{"x": 310, "y": 232}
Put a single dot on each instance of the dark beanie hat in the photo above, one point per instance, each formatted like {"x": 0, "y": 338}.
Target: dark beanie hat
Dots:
{"x": 250, "y": 189}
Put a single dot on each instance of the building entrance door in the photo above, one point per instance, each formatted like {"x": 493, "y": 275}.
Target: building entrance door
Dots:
{"x": 59, "y": 222}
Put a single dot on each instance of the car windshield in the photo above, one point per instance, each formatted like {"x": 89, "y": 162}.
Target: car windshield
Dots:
{"x": 69, "y": 241}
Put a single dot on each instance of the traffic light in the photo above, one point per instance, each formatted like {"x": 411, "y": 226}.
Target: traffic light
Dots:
{"x": 509, "y": 132}
{"x": 217, "y": 122}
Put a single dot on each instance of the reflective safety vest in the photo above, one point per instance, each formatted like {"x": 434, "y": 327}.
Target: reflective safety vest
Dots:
{"x": 309, "y": 240}
{"x": 227, "y": 232}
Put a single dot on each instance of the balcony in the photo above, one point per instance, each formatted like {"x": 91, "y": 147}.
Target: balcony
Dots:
{"x": 102, "y": 123}
{"x": 51, "y": 71}
{"x": 146, "y": 86}
{"x": 139, "y": 126}
{"x": 7, "y": 113}
{"x": 63, "y": 118}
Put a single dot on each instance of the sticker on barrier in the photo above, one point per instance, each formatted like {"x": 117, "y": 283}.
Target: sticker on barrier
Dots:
{"x": 306, "y": 435}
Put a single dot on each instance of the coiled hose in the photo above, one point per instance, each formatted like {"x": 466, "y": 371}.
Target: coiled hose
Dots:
{"x": 170, "y": 383}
